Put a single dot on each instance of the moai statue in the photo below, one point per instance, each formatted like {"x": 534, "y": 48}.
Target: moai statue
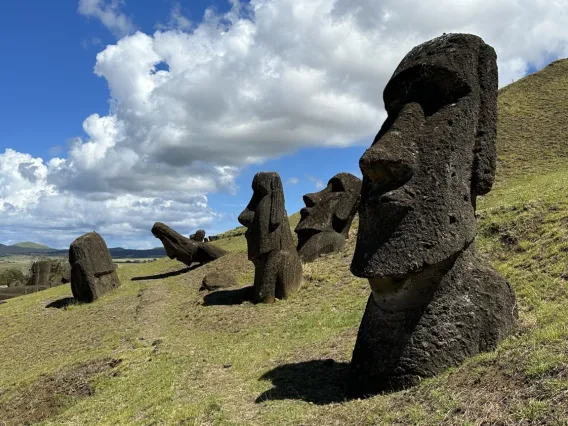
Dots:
{"x": 199, "y": 236}
{"x": 184, "y": 249}
{"x": 327, "y": 217}
{"x": 435, "y": 301}
{"x": 40, "y": 272}
{"x": 278, "y": 270}
{"x": 92, "y": 270}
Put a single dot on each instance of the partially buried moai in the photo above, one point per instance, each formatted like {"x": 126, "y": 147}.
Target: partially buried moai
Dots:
{"x": 92, "y": 271}
{"x": 435, "y": 301}
{"x": 278, "y": 270}
{"x": 326, "y": 219}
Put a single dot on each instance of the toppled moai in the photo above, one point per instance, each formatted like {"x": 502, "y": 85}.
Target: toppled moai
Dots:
{"x": 435, "y": 301}
{"x": 92, "y": 271}
{"x": 183, "y": 249}
{"x": 40, "y": 273}
{"x": 278, "y": 270}
{"x": 199, "y": 236}
{"x": 327, "y": 217}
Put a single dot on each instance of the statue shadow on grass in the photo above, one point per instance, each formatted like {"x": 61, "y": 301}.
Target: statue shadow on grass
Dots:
{"x": 167, "y": 274}
{"x": 320, "y": 382}
{"x": 62, "y": 303}
{"x": 228, "y": 297}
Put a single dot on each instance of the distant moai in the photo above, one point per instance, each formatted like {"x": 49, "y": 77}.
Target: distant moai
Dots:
{"x": 39, "y": 273}
{"x": 278, "y": 270}
{"x": 435, "y": 301}
{"x": 326, "y": 219}
{"x": 92, "y": 271}
{"x": 184, "y": 249}
{"x": 199, "y": 236}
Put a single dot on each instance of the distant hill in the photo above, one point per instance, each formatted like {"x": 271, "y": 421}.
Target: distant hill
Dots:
{"x": 30, "y": 245}
{"x": 34, "y": 249}
{"x": 532, "y": 131}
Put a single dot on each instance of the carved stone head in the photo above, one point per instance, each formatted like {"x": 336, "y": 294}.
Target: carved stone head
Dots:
{"x": 265, "y": 217}
{"x": 433, "y": 156}
{"x": 329, "y": 211}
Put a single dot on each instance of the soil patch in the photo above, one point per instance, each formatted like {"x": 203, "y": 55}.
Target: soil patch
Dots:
{"x": 49, "y": 395}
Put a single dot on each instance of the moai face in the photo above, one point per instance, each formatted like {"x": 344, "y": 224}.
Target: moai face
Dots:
{"x": 433, "y": 156}
{"x": 330, "y": 210}
{"x": 264, "y": 215}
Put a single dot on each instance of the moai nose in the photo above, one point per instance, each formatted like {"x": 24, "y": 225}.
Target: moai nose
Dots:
{"x": 309, "y": 200}
{"x": 391, "y": 160}
{"x": 382, "y": 164}
{"x": 246, "y": 217}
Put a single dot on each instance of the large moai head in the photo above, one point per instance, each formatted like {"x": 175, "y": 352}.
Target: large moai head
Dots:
{"x": 434, "y": 300}
{"x": 92, "y": 271}
{"x": 327, "y": 217}
{"x": 433, "y": 156}
{"x": 265, "y": 217}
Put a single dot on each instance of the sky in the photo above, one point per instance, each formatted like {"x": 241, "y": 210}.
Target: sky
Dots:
{"x": 119, "y": 113}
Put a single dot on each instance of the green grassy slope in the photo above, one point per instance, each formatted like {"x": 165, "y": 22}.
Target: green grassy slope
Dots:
{"x": 30, "y": 245}
{"x": 157, "y": 352}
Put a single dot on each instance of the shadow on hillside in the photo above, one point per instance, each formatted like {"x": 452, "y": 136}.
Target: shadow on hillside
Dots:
{"x": 168, "y": 274}
{"x": 61, "y": 303}
{"x": 319, "y": 382}
{"x": 228, "y": 297}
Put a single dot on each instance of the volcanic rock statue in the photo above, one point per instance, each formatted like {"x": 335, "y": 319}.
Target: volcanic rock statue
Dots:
{"x": 183, "y": 249}
{"x": 435, "y": 301}
{"x": 327, "y": 217}
{"x": 40, "y": 272}
{"x": 199, "y": 236}
{"x": 92, "y": 270}
{"x": 278, "y": 270}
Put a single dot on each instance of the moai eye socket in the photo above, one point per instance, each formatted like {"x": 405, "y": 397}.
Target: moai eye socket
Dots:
{"x": 430, "y": 86}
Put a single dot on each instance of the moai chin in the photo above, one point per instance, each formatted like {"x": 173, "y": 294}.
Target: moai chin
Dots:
{"x": 93, "y": 272}
{"x": 278, "y": 270}
{"x": 434, "y": 300}
{"x": 326, "y": 219}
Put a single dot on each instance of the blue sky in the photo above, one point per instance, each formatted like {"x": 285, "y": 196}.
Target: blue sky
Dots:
{"x": 119, "y": 113}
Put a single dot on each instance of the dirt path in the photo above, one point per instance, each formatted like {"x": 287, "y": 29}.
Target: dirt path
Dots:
{"x": 151, "y": 312}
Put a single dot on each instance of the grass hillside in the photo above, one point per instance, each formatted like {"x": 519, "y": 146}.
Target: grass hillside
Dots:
{"x": 158, "y": 351}
{"x": 30, "y": 245}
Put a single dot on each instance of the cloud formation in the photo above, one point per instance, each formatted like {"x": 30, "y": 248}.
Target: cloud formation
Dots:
{"x": 108, "y": 12}
{"x": 192, "y": 105}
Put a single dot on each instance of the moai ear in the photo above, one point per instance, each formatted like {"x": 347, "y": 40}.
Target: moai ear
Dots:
{"x": 276, "y": 202}
{"x": 347, "y": 206}
{"x": 484, "y": 152}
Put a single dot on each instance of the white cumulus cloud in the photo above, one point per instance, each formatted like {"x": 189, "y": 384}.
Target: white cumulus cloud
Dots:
{"x": 108, "y": 12}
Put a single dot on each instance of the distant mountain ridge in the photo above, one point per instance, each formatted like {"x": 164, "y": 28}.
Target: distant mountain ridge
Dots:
{"x": 31, "y": 245}
{"x": 34, "y": 249}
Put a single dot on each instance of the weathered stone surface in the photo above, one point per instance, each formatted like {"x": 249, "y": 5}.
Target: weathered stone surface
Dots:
{"x": 213, "y": 237}
{"x": 199, "y": 236}
{"x": 327, "y": 217}
{"x": 216, "y": 280}
{"x": 92, "y": 270}
{"x": 434, "y": 300}
{"x": 39, "y": 273}
{"x": 278, "y": 270}
{"x": 183, "y": 249}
